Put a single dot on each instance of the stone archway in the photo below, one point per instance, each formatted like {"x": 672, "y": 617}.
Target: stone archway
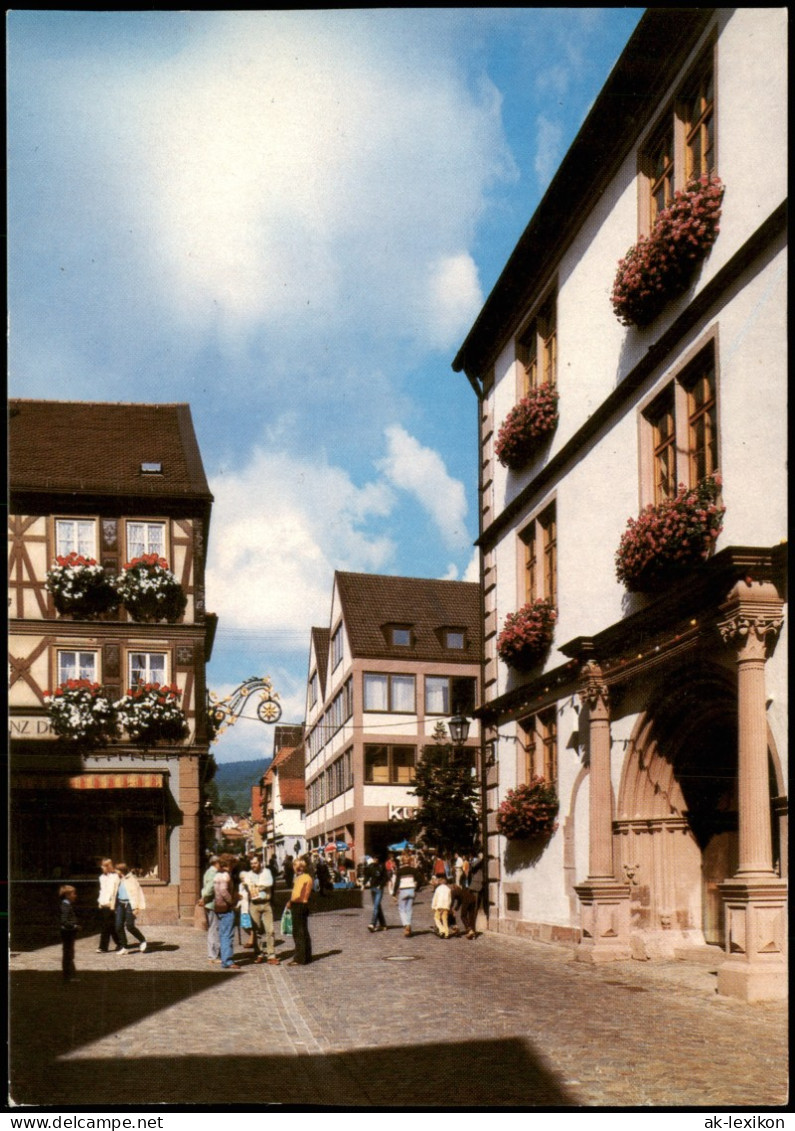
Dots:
{"x": 676, "y": 821}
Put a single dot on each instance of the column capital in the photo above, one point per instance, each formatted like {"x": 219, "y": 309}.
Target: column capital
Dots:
{"x": 751, "y": 619}
{"x": 594, "y": 692}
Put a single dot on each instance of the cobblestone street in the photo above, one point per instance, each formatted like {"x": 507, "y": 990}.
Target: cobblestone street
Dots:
{"x": 388, "y": 1022}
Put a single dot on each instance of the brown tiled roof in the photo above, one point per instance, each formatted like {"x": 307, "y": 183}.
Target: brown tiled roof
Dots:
{"x": 98, "y": 448}
{"x": 289, "y": 763}
{"x": 372, "y": 602}
{"x": 320, "y": 639}
{"x": 287, "y": 734}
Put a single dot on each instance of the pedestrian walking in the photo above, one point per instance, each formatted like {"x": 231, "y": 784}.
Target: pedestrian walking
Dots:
{"x": 108, "y": 883}
{"x": 288, "y": 872}
{"x": 225, "y": 902}
{"x": 408, "y": 880}
{"x": 465, "y": 901}
{"x": 375, "y": 877}
{"x": 476, "y": 889}
{"x": 258, "y": 883}
{"x": 208, "y": 898}
{"x": 439, "y": 866}
{"x": 299, "y": 906}
{"x": 69, "y": 927}
{"x": 129, "y": 901}
{"x": 441, "y": 908}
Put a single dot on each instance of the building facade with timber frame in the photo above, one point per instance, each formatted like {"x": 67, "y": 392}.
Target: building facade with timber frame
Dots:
{"x": 110, "y": 482}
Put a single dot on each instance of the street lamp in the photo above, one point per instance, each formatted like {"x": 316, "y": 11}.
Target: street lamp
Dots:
{"x": 459, "y": 729}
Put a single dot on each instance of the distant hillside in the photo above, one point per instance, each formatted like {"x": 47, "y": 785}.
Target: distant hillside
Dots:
{"x": 235, "y": 779}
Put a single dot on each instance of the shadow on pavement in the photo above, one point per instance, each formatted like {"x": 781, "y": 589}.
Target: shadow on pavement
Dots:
{"x": 51, "y": 1022}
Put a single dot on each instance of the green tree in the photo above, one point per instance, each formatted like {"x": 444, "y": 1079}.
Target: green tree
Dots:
{"x": 447, "y": 789}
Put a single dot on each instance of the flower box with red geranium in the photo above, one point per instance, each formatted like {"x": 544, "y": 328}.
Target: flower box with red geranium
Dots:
{"x": 150, "y": 712}
{"x": 81, "y": 711}
{"x": 528, "y": 423}
{"x": 149, "y": 590}
{"x": 660, "y": 266}
{"x": 527, "y": 634}
{"x": 80, "y": 587}
{"x": 529, "y": 811}
{"x": 667, "y": 540}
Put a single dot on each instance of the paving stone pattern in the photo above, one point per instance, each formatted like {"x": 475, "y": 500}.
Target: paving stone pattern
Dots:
{"x": 383, "y": 1021}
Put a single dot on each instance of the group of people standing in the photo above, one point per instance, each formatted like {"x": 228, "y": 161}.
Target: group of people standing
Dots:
{"x": 404, "y": 876}
{"x": 235, "y": 891}
{"x": 120, "y": 900}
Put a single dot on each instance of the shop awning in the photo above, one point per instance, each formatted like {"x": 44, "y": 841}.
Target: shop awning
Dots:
{"x": 89, "y": 781}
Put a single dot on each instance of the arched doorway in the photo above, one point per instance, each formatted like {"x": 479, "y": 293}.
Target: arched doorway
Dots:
{"x": 676, "y": 821}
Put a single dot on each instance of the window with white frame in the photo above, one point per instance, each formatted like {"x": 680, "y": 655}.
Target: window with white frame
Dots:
{"x": 336, "y": 648}
{"x": 76, "y": 536}
{"x": 389, "y": 693}
{"x": 681, "y": 429}
{"x": 146, "y": 538}
{"x": 147, "y": 667}
{"x": 313, "y": 689}
{"x": 77, "y": 665}
{"x": 449, "y": 694}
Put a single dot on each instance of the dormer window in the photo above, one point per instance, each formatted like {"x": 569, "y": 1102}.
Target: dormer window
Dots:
{"x": 455, "y": 638}
{"x": 399, "y": 635}
{"x": 152, "y": 467}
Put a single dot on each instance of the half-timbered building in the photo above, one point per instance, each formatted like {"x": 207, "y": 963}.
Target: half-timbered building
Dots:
{"x": 109, "y": 484}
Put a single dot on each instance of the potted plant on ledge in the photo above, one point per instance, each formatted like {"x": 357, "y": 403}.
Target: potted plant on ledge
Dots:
{"x": 149, "y": 590}
{"x": 150, "y": 712}
{"x": 81, "y": 711}
{"x": 527, "y": 634}
{"x": 668, "y": 540}
{"x": 80, "y": 587}
{"x": 529, "y": 811}
{"x": 660, "y": 266}
{"x": 527, "y": 424}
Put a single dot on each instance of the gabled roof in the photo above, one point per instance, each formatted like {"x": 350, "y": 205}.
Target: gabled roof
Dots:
{"x": 320, "y": 639}
{"x": 287, "y": 734}
{"x": 655, "y": 52}
{"x": 289, "y": 765}
{"x": 97, "y": 448}
{"x": 372, "y": 602}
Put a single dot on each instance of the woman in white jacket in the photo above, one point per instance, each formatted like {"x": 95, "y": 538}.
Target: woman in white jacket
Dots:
{"x": 129, "y": 901}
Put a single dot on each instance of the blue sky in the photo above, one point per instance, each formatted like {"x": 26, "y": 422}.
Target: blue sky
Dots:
{"x": 289, "y": 220}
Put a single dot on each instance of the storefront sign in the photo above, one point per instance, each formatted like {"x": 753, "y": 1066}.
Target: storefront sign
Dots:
{"x": 29, "y": 726}
{"x": 402, "y": 812}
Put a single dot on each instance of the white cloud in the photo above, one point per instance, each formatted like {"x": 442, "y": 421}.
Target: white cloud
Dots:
{"x": 422, "y": 472}
{"x": 281, "y": 527}
{"x": 282, "y": 169}
{"x": 453, "y": 301}
{"x": 549, "y": 149}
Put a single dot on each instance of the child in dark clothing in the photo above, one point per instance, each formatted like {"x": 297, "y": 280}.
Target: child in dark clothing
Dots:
{"x": 68, "y": 897}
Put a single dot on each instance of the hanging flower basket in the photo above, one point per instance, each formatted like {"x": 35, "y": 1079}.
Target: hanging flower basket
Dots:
{"x": 527, "y": 634}
{"x": 149, "y": 590}
{"x": 150, "y": 712}
{"x": 80, "y": 587}
{"x": 668, "y": 540}
{"x": 661, "y": 265}
{"x": 527, "y": 424}
{"x": 529, "y": 811}
{"x": 81, "y": 711}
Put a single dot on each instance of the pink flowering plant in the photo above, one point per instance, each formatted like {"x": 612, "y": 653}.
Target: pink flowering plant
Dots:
{"x": 151, "y": 711}
{"x": 529, "y": 811}
{"x": 527, "y": 634}
{"x": 81, "y": 711}
{"x": 149, "y": 590}
{"x": 526, "y": 425}
{"x": 81, "y": 587}
{"x": 660, "y": 266}
{"x": 668, "y": 539}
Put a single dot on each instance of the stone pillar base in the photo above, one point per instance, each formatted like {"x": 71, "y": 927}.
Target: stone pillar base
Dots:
{"x": 605, "y": 921}
{"x": 756, "y": 939}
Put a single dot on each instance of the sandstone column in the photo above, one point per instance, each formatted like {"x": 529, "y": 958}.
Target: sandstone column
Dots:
{"x": 756, "y": 897}
{"x": 604, "y": 900}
